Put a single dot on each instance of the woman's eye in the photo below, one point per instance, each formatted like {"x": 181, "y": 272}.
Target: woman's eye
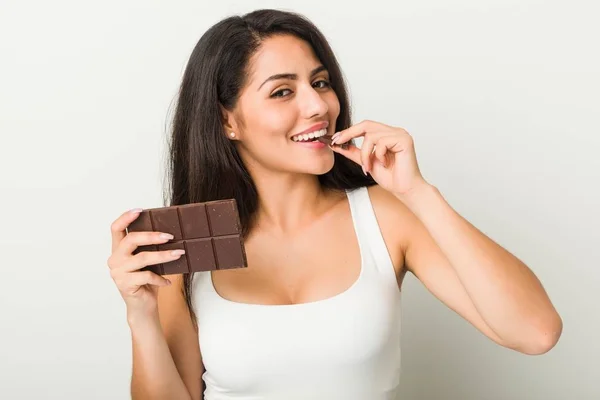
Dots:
{"x": 280, "y": 93}
{"x": 321, "y": 84}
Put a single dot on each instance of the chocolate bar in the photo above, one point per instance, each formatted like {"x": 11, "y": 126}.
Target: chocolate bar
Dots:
{"x": 209, "y": 232}
{"x": 327, "y": 140}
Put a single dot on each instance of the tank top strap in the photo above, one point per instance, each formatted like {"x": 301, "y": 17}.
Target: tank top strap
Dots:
{"x": 369, "y": 233}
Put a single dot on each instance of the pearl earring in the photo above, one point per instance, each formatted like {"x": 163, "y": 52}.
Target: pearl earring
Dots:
{"x": 232, "y": 134}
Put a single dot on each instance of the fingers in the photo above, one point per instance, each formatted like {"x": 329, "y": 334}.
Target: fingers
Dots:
{"x": 370, "y": 142}
{"x": 366, "y": 129}
{"x": 361, "y": 155}
{"x": 350, "y": 133}
{"x": 352, "y": 152}
{"x": 357, "y": 130}
{"x": 384, "y": 145}
{"x": 130, "y": 282}
{"x": 152, "y": 257}
{"x": 117, "y": 228}
{"x": 148, "y": 278}
{"x": 122, "y": 258}
{"x": 375, "y": 145}
{"x": 136, "y": 239}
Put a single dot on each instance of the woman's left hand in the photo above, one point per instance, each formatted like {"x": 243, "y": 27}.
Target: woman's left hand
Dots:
{"x": 387, "y": 153}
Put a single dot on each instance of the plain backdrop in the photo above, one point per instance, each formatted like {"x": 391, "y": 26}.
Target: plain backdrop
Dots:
{"x": 502, "y": 98}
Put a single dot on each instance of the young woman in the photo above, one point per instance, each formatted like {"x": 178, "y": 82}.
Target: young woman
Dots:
{"x": 329, "y": 233}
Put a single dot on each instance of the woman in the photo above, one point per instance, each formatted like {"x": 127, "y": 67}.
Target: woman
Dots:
{"x": 330, "y": 232}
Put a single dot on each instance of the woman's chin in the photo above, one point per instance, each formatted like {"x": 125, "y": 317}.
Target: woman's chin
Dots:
{"x": 313, "y": 165}
{"x": 320, "y": 167}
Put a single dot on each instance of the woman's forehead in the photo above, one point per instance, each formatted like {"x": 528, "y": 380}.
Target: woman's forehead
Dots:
{"x": 281, "y": 55}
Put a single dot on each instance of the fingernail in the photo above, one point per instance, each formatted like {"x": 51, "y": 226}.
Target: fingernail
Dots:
{"x": 177, "y": 252}
{"x": 166, "y": 236}
{"x": 135, "y": 210}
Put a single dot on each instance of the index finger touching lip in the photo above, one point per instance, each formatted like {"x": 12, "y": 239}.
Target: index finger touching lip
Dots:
{"x": 347, "y": 134}
{"x": 118, "y": 227}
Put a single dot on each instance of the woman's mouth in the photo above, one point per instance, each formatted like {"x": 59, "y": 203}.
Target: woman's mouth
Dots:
{"x": 310, "y": 137}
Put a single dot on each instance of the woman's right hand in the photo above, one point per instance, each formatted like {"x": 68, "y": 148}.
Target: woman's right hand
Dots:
{"x": 138, "y": 288}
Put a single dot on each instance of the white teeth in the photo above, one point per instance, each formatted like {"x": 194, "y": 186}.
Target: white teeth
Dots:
{"x": 308, "y": 136}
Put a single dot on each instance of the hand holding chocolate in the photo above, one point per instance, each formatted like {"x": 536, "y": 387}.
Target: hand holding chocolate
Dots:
{"x": 210, "y": 234}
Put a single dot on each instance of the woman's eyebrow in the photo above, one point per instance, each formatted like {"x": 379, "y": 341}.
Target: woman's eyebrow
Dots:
{"x": 292, "y": 76}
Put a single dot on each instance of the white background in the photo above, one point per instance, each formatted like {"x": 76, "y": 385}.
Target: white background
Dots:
{"x": 502, "y": 98}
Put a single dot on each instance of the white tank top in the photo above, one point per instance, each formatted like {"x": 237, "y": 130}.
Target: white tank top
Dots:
{"x": 343, "y": 347}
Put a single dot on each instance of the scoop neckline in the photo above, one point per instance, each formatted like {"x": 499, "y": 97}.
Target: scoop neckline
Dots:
{"x": 313, "y": 303}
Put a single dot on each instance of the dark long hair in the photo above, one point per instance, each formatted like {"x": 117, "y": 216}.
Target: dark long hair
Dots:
{"x": 204, "y": 165}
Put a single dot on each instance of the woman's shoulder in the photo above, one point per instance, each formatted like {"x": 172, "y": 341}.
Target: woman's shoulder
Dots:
{"x": 395, "y": 221}
{"x": 387, "y": 205}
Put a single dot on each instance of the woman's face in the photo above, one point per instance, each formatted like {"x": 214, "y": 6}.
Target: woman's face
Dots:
{"x": 287, "y": 94}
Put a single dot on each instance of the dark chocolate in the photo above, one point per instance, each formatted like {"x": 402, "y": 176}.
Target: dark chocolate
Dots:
{"x": 209, "y": 232}
{"x": 327, "y": 140}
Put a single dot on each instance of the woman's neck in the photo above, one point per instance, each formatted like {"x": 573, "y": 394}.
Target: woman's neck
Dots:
{"x": 288, "y": 202}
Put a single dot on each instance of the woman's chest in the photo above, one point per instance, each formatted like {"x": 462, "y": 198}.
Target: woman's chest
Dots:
{"x": 312, "y": 266}
{"x": 353, "y": 334}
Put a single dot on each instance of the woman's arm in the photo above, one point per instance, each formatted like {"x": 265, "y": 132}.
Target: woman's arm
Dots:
{"x": 166, "y": 356}
{"x": 476, "y": 277}
{"x": 463, "y": 267}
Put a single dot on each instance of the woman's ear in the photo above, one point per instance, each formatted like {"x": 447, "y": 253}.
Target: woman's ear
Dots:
{"x": 230, "y": 126}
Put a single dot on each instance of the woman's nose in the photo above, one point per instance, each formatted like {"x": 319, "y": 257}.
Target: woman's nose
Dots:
{"x": 312, "y": 104}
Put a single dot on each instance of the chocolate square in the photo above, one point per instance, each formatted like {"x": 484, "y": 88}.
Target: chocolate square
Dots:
{"x": 194, "y": 223}
{"x": 200, "y": 255}
{"x": 179, "y": 266}
{"x": 167, "y": 220}
{"x": 142, "y": 223}
{"x": 223, "y": 218}
{"x": 229, "y": 252}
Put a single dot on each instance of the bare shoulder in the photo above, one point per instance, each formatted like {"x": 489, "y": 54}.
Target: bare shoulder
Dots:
{"x": 396, "y": 222}
{"x": 181, "y": 334}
